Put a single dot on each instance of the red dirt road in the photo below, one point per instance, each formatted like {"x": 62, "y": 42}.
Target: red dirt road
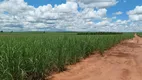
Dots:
{"x": 122, "y": 62}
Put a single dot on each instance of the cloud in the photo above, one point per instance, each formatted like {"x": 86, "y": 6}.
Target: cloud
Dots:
{"x": 118, "y": 13}
{"x": 60, "y": 17}
{"x": 135, "y": 18}
{"x": 17, "y": 15}
{"x": 15, "y": 7}
{"x": 68, "y": 7}
{"x": 135, "y": 14}
{"x": 97, "y": 3}
{"x": 89, "y": 13}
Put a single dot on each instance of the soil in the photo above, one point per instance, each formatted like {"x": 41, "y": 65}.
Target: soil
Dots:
{"x": 122, "y": 62}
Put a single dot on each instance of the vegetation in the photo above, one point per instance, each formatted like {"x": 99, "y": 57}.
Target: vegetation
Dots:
{"x": 1, "y": 31}
{"x": 139, "y": 34}
{"x": 30, "y": 56}
{"x": 99, "y": 33}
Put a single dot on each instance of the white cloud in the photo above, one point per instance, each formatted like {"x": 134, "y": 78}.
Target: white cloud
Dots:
{"x": 64, "y": 16}
{"x": 114, "y": 17}
{"x": 90, "y": 13}
{"x": 135, "y": 14}
{"x": 97, "y": 3}
{"x": 15, "y": 7}
{"x": 30, "y": 17}
{"x": 17, "y": 15}
{"x": 118, "y": 13}
{"x": 68, "y": 7}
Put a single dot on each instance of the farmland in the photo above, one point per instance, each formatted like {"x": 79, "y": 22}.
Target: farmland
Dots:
{"x": 29, "y": 56}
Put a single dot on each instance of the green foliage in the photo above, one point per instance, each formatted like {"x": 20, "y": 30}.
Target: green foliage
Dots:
{"x": 99, "y": 33}
{"x": 28, "y": 56}
{"x": 139, "y": 34}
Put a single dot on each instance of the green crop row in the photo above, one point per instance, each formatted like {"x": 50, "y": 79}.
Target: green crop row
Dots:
{"x": 32, "y": 57}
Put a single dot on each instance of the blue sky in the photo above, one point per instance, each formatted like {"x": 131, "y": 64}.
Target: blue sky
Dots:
{"x": 71, "y": 15}
{"x": 124, "y": 7}
{"x": 37, "y": 3}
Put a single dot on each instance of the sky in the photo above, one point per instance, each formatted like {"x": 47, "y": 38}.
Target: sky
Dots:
{"x": 71, "y": 15}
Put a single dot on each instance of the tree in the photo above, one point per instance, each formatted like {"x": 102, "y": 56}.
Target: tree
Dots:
{"x": 1, "y": 31}
{"x": 11, "y": 32}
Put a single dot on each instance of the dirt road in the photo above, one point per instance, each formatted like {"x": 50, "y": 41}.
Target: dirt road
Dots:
{"x": 122, "y": 62}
